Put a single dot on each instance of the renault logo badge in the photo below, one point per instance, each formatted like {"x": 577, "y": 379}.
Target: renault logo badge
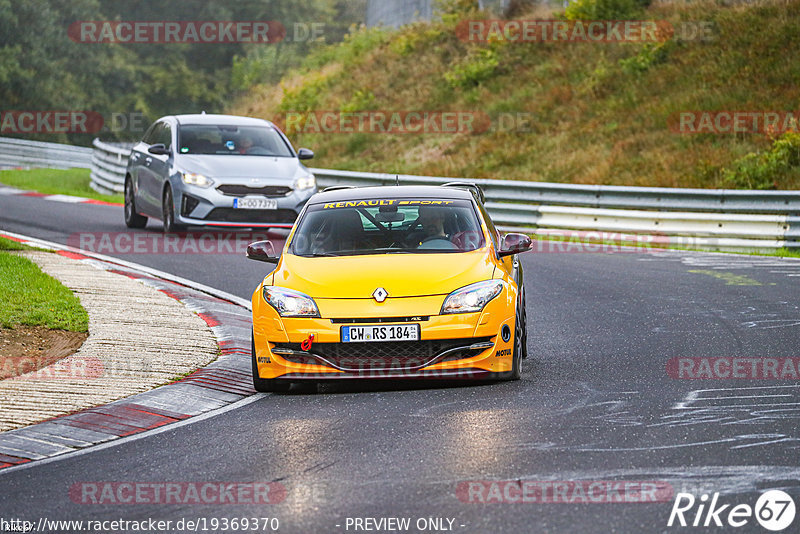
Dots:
{"x": 380, "y": 294}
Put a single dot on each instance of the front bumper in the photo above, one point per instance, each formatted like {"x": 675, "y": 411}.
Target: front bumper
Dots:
{"x": 197, "y": 206}
{"x": 467, "y": 346}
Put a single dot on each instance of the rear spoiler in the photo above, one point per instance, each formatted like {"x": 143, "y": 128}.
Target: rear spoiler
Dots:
{"x": 476, "y": 190}
{"x": 337, "y": 187}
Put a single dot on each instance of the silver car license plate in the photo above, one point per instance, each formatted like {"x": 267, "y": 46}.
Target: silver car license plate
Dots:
{"x": 255, "y": 203}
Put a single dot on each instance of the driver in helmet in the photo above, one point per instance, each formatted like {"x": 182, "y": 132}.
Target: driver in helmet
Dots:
{"x": 432, "y": 221}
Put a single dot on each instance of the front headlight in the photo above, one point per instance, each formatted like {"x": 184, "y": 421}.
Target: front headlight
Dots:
{"x": 289, "y": 303}
{"x": 472, "y": 298}
{"x": 199, "y": 180}
{"x": 305, "y": 182}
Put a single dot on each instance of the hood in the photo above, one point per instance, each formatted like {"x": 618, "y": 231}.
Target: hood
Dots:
{"x": 220, "y": 167}
{"x": 401, "y": 275}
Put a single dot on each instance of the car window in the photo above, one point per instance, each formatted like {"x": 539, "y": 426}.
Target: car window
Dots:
{"x": 232, "y": 140}
{"x": 152, "y": 132}
{"x": 164, "y": 135}
{"x": 387, "y": 226}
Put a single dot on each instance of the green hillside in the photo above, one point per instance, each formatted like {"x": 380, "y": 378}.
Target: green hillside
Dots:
{"x": 589, "y": 112}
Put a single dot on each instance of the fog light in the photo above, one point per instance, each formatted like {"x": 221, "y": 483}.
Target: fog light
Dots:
{"x": 505, "y": 333}
{"x": 188, "y": 204}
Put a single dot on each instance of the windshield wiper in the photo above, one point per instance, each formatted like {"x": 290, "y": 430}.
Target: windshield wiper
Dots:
{"x": 394, "y": 249}
{"x": 319, "y": 255}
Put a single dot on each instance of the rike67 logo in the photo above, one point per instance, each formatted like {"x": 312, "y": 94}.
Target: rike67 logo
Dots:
{"x": 774, "y": 510}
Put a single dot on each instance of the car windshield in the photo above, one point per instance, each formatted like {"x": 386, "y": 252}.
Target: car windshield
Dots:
{"x": 232, "y": 140}
{"x": 381, "y": 226}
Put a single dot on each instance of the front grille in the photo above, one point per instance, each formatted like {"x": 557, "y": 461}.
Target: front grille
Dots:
{"x": 391, "y": 355}
{"x": 371, "y": 320}
{"x": 252, "y": 216}
{"x": 242, "y": 190}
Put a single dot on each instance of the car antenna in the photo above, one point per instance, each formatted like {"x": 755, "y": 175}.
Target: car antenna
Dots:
{"x": 396, "y": 179}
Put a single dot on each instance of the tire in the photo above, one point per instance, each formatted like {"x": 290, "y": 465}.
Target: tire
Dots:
{"x": 265, "y": 385}
{"x": 132, "y": 219}
{"x": 524, "y": 326}
{"x": 168, "y": 213}
{"x": 519, "y": 344}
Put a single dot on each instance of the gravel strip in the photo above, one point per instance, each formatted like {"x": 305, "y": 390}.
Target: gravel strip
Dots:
{"x": 139, "y": 338}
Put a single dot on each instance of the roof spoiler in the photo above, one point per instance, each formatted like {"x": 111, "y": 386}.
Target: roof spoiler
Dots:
{"x": 337, "y": 187}
{"x": 476, "y": 190}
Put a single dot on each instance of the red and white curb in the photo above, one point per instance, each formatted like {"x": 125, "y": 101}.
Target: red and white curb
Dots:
{"x": 67, "y": 199}
{"x": 210, "y": 390}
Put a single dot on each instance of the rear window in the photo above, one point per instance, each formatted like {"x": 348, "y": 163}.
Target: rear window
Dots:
{"x": 379, "y": 226}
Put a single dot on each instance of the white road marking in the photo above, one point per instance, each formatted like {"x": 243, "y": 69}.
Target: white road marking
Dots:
{"x": 113, "y": 443}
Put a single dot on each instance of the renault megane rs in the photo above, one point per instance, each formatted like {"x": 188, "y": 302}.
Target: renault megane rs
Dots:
{"x": 390, "y": 282}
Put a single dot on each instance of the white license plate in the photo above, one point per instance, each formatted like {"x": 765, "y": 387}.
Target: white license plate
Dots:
{"x": 396, "y": 332}
{"x": 255, "y": 203}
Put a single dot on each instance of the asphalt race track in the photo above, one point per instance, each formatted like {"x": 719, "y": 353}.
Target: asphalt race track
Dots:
{"x": 596, "y": 403}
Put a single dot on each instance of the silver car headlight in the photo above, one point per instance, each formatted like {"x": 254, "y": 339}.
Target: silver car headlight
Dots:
{"x": 290, "y": 303}
{"x": 472, "y": 298}
{"x": 199, "y": 180}
{"x": 305, "y": 182}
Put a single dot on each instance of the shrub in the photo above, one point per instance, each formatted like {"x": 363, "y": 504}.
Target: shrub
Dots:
{"x": 650, "y": 54}
{"x": 762, "y": 170}
{"x": 603, "y": 9}
{"x": 307, "y": 97}
{"x": 479, "y": 65}
{"x": 361, "y": 100}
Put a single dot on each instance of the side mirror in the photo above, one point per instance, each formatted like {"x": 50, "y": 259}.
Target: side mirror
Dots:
{"x": 514, "y": 244}
{"x": 305, "y": 153}
{"x": 158, "y": 149}
{"x": 262, "y": 251}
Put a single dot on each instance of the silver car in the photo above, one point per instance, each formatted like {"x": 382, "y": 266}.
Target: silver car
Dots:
{"x": 216, "y": 170}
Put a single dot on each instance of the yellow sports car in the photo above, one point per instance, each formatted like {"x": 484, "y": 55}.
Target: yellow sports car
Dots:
{"x": 390, "y": 282}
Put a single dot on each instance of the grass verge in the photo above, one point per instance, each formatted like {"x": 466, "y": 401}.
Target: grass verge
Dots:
{"x": 30, "y": 297}
{"x": 74, "y": 182}
{"x": 8, "y": 244}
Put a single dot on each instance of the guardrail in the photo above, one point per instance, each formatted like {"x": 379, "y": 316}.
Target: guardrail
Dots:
{"x": 109, "y": 162}
{"x": 719, "y": 219}
{"x": 595, "y": 196}
{"x": 31, "y": 154}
